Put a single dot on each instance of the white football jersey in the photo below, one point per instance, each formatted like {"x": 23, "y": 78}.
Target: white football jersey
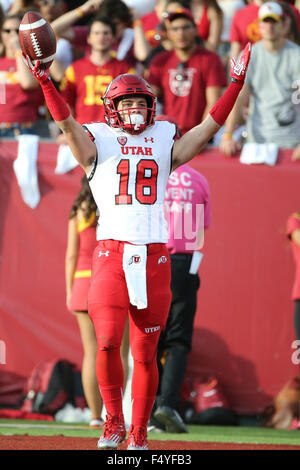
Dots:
{"x": 128, "y": 181}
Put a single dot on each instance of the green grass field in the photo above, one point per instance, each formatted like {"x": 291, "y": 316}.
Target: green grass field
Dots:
{"x": 230, "y": 434}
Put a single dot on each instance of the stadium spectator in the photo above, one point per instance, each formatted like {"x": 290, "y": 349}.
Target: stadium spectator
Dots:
{"x": 293, "y": 23}
{"x": 151, "y": 23}
{"x": 130, "y": 43}
{"x": 20, "y": 94}
{"x": 245, "y": 26}
{"x": 270, "y": 88}
{"x": 164, "y": 43}
{"x": 49, "y": 9}
{"x": 293, "y": 233}
{"x": 209, "y": 20}
{"x": 86, "y": 79}
{"x": 188, "y": 79}
{"x": 229, "y": 7}
{"x": 187, "y": 204}
{"x": 69, "y": 25}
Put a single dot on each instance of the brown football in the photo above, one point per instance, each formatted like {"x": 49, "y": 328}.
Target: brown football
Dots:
{"x": 37, "y": 39}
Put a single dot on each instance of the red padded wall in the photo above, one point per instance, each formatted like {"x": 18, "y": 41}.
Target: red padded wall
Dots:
{"x": 244, "y": 323}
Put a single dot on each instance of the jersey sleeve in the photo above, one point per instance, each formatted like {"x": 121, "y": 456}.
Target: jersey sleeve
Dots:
{"x": 91, "y": 130}
{"x": 89, "y": 133}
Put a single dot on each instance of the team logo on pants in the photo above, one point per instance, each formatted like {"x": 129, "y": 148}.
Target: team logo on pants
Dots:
{"x": 152, "y": 329}
{"x": 162, "y": 259}
{"x": 134, "y": 259}
{"x": 103, "y": 253}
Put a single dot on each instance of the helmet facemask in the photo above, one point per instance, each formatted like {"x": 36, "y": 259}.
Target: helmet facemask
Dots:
{"x": 128, "y": 119}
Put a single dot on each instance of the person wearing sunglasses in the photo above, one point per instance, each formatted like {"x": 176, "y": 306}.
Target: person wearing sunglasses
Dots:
{"x": 20, "y": 94}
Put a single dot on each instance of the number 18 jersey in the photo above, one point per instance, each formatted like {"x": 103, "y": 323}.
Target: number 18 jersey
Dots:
{"x": 128, "y": 182}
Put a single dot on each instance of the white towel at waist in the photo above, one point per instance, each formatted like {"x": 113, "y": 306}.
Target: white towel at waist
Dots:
{"x": 134, "y": 266}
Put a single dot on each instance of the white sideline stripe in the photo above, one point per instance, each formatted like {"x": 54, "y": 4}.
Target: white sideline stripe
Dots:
{"x": 36, "y": 24}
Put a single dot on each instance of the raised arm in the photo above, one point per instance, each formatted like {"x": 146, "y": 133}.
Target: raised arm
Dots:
{"x": 193, "y": 141}
{"x": 62, "y": 25}
{"x": 141, "y": 45}
{"x": 215, "y": 17}
{"x": 228, "y": 145}
{"x": 83, "y": 149}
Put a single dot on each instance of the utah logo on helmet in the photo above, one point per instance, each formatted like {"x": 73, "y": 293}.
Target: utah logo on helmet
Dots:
{"x": 123, "y": 86}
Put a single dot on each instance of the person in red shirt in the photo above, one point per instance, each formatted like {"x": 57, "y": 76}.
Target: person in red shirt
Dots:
{"x": 245, "y": 25}
{"x": 20, "y": 96}
{"x": 209, "y": 20}
{"x": 188, "y": 79}
{"x": 151, "y": 23}
{"x": 130, "y": 44}
{"x": 162, "y": 42}
{"x": 86, "y": 79}
{"x": 293, "y": 233}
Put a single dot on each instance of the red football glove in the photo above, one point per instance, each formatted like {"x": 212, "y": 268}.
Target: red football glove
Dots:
{"x": 238, "y": 69}
{"x": 42, "y": 75}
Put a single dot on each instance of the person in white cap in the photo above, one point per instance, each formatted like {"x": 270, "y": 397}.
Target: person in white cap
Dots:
{"x": 271, "y": 88}
{"x": 245, "y": 24}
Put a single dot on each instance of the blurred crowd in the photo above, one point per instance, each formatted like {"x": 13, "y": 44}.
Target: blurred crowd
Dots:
{"x": 182, "y": 47}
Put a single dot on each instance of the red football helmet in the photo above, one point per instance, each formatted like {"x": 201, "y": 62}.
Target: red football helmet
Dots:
{"x": 126, "y": 85}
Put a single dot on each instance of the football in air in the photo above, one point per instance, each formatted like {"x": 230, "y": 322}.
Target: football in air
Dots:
{"x": 37, "y": 39}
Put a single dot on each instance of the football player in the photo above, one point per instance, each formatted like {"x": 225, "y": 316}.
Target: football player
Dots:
{"x": 127, "y": 161}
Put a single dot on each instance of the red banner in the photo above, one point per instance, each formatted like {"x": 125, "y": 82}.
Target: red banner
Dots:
{"x": 244, "y": 324}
